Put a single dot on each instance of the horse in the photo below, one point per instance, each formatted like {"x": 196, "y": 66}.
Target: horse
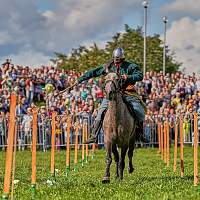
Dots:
{"x": 119, "y": 129}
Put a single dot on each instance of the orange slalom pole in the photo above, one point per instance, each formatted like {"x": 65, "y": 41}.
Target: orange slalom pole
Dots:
{"x": 195, "y": 149}
{"x": 159, "y": 142}
{"x": 168, "y": 145}
{"x": 53, "y": 125}
{"x": 13, "y": 163}
{"x": 83, "y": 145}
{"x": 93, "y": 150}
{"x": 86, "y": 146}
{"x": 34, "y": 143}
{"x": 175, "y": 145}
{"x": 181, "y": 146}
{"x": 165, "y": 143}
{"x": 162, "y": 141}
{"x": 68, "y": 145}
{"x": 76, "y": 146}
{"x": 9, "y": 151}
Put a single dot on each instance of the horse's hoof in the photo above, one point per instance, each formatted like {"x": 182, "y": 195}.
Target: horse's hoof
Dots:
{"x": 130, "y": 170}
{"x": 106, "y": 180}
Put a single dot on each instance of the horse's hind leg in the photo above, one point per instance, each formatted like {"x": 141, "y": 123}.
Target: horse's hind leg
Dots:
{"x": 116, "y": 157}
{"x": 130, "y": 155}
{"x": 122, "y": 161}
{"x": 108, "y": 160}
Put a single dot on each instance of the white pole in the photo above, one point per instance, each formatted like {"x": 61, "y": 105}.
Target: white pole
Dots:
{"x": 164, "y": 43}
{"x": 145, "y": 4}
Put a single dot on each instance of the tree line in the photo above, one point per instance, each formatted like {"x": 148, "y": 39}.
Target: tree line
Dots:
{"x": 131, "y": 40}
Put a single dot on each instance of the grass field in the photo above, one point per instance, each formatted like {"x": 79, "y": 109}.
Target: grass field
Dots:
{"x": 150, "y": 180}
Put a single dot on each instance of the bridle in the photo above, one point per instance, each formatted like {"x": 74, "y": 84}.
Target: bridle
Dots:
{"x": 117, "y": 88}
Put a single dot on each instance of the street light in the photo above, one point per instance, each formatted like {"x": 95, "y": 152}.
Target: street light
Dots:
{"x": 165, "y": 20}
{"x": 145, "y": 4}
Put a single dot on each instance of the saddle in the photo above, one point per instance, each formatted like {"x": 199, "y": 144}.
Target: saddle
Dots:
{"x": 129, "y": 106}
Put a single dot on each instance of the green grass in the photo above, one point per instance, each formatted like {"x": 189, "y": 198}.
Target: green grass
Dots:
{"x": 150, "y": 180}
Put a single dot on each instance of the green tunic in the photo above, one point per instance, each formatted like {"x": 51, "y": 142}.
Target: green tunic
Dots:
{"x": 134, "y": 75}
{"x": 128, "y": 68}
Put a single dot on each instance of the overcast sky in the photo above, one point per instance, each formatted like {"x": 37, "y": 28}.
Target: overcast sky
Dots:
{"x": 31, "y": 30}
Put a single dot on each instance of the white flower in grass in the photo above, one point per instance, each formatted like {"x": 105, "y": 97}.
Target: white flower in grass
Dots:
{"x": 49, "y": 182}
{"x": 16, "y": 181}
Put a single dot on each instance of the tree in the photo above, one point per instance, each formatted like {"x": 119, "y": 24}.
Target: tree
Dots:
{"x": 131, "y": 40}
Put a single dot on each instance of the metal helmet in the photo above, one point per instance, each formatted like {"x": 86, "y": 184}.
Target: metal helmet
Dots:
{"x": 118, "y": 53}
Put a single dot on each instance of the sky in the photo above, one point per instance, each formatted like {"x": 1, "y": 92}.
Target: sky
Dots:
{"x": 32, "y": 30}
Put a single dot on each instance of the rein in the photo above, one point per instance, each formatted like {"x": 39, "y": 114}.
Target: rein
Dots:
{"x": 117, "y": 89}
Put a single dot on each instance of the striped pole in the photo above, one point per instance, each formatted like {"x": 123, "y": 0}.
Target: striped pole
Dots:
{"x": 175, "y": 145}
{"x": 53, "y": 125}
{"x": 83, "y": 145}
{"x": 86, "y": 146}
{"x": 14, "y": 162}
{"x": 76, "y": 146}
{"x": 162, "y": 140}
{"x": 93, "y": 150}
{"x": 181, "y": 145}
{"x": 9, "y": 151}
{"x": 159, "y": 134}
{"x": 34, "y": 142}
{"x": 168, "y": 144}
{"x": 68, "y": 145}
{"x": 195, "y": 149}
{"x": 165, "y": 143}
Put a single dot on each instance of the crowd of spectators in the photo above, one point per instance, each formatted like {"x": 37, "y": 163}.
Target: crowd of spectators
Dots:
{"x": 173, "y": 93}
{"x": 40, "y": 85}
{"x": 165, "y": 96}
{"x": 37, "y": 87}
{"x": 169, "y": 97}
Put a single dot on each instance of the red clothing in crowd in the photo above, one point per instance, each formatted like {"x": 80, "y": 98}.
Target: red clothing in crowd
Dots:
{"x": 100, "y": 94}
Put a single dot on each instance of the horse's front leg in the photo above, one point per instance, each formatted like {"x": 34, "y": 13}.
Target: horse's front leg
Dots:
{"x": 130, "y": 154}
{"x": 116, "y": 157}
{"x": 122, "y": 161}
{"x": 108, "y": 161}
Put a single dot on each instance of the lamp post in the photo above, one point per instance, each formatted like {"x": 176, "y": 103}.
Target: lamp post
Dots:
{"x": 145, "y": 4}
{"x": 165, "y": 20}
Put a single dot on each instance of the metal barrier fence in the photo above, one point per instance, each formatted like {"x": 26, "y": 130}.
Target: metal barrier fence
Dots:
{"x": 151, "y": 128}
{"x": 23, "y": 126}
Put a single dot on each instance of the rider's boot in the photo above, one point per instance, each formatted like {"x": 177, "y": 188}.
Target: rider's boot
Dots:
{"x": 93, "y": 138}
{"x": 96, "y": 127}
{"x": 140, "y": 133}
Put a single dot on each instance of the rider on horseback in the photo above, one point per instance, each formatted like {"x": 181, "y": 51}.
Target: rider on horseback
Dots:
{"x": 130, "y": 74}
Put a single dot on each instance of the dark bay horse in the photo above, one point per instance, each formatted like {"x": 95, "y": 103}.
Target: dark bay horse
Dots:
{"x": 119, "y": 129}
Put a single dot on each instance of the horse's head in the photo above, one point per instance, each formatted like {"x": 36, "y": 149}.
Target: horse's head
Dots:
{"x": 111, "y": 85}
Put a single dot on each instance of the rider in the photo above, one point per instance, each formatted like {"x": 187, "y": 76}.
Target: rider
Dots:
{"x": 130, "y": 74}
